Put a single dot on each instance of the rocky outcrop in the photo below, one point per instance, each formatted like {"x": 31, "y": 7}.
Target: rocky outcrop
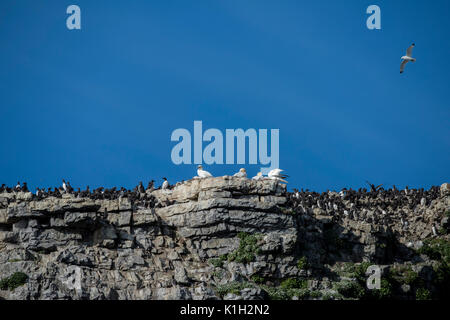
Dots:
{"x": 214, "y": 238}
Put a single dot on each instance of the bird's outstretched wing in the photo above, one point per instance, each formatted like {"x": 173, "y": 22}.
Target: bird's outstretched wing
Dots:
{"x": 409, "y": 50}
{"x": 402, "y": 66}
{"x": 378, "y": 187}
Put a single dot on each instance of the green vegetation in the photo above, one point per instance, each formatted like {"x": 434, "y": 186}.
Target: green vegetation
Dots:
{"x": 302, "y": 263}
{"x": 257, "y": 279}
{"x": 294, "y": 283}
{"x": 423, "y": 294}
{"x": 218, "y": 262}
{"x": 14, "y": 281}
{"x": 248, "y": 249}
{"x": 350, "y": 289}
{"x": 218, "y": 274}
{"x": 279, "y": 293}
{"x": 439, "y": 250}
{"x": 357, "y": 289}
{"x": 436, "y": 249}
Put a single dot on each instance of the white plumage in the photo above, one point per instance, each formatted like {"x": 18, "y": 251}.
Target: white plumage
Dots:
{"x": 241, "y": 174}
{"x": 276, "y": 174}
{"x": 259, "y": 176}
{"x": 202, "y": 173}
{"x": 408, "y": 57}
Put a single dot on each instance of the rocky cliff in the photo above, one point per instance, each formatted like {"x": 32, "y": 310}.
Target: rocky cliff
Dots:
{"x": 225, "y": 237}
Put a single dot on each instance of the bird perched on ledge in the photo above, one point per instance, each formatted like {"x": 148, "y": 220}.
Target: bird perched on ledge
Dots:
{"x": 165, "y": 184}
{"x": 202, "y": 173}
{"x": 241, "y": 174}
{"x": 259, "y": 176}
{"x": 275, "y": 174}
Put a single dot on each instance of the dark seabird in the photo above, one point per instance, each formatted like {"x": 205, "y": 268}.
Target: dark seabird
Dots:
{"x": 17, "y": 187}
{"x": 150, "y": 185}
{"x": 24, "y": 187}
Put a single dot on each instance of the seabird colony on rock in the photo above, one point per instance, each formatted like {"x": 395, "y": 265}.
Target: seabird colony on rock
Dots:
{"x": 377, "y": 205}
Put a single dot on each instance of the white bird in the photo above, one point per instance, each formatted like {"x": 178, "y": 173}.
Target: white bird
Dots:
{"x": 64, "y": 185}
{"x": 259, "y": 176}
{"x": 275, "y": 174}
{"x": 407, "y": 58}
{"x": 165, "y": 184}
{"x": 202, "y": 173}
{"x": 241, "y": 174}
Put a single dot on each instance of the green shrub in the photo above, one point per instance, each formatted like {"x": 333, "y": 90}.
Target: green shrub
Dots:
{"x": 350, "y": 289}
{"x": 14, "y": 281}
{"x": 257, "y": 279}
{"x": 293, "y": 283}
{"x": 302, "y": 263}
{"x": 423, "y": 294}
{"x": 218, "y": 262}
{"x": 384, "y": 292}
{"x": 436, "y": 249}
{"x": 248, "y": 249}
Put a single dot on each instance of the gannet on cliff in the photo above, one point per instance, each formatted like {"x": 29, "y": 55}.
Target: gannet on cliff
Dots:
{"x": 202, "y": 173}
{"x": 275, "y": 174}
{"x": 259, "y": 176}
{"x": 241, "y": 174}
{"x": 407, "y": 58}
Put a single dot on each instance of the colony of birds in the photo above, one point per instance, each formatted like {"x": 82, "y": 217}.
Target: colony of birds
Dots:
{"x": 353, "y": 204}
{"x": 346, "y": 203}
{"x": 139, "y": 195}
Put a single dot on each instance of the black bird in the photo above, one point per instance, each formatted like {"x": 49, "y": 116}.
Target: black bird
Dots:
{"x": 24, "y": 187}
{"x": 150, "y": 185}
{"x": 141, "y": 187}
{"x": 17, "y": 187}
{"x": 372, "y": 186}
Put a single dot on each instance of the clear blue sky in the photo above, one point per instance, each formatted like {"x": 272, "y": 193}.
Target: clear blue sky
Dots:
{"x": 97, "y": 106}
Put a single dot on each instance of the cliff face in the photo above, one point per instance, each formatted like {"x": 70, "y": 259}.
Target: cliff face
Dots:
{"x": 216, "y": 238}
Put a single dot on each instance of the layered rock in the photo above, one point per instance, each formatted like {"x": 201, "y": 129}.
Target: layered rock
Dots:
{"x": 198, "y": 238}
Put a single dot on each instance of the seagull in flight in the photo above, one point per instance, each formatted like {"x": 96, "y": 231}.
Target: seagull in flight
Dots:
{"x": 407, "y": 58}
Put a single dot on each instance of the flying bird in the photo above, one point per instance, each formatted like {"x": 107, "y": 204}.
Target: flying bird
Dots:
{"x": 202, "y": 173}
{"x": 407, "y": 58}
{"x": 241, "y": 174}
{"x": 276, "y": 174}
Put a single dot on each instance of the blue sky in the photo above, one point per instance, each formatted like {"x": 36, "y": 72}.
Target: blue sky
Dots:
{"x": 97, "y": 106}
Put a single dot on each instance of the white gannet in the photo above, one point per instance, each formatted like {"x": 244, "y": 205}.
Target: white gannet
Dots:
{"x": 275, "y": 174}
{"x": 407, "y": 58}
{"x": 241, "y": 174}
{"x": 165, "y": 184}
{"x": 259, "y": 176}
{"x": 202, "y": 173}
